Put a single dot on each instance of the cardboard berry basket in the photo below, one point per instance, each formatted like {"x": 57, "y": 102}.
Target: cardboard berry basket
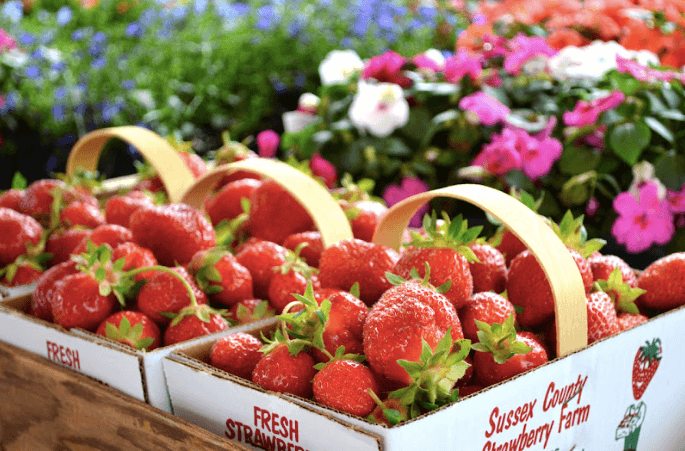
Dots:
{"x": 137, "y": 373}
{"x": 589, "y": 398}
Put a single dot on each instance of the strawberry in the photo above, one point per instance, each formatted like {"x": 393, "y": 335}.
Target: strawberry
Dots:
{"x": 312, "y": 252}
{"x": 227, "y": 203}
{"x": 218, "y": 273}
{"x": 470, "y": 389}
{"x": 622, "y": 294}
{"x": 11, "y": 199}
{"x": 165, "y": 293}
{"x": 356, "y": 261}
{"x": 192, "y": 322}
{"x": 173, "y": 232}
{"x": 134, "y": 329}
{"x": 234, "y": 151}
{"x": 645, "y": 364}
{"x": 282, "y": 371}
{"x": 275, "y": 213}
{"x": 664, "y": 281}
{"x": 601, "y": 317}
{"x": 150, "y": 181}
{"x": 345, "y": 325}
{"x": 344, "y": 384}
{"x": 603, "y": 265}
{"x": 135, "y": 257}
{"x": 120, "y": 208}
{"x": 22, "y": 271}
{"x": 486, "y": 307}
{"x": 502, "y": 352}
{"x": 444, "y": 248}
{"x": 261, "y": 258}
{"x": 19, "y": 234}
{"x": 80, "y": 213}
{"x": 77, "y": 302}
{"x": 110, "y": 234}
{"x": 41, "y": 300}
{"x": 236, "y": 354}
{"x": 510, "y": 246}
{"x": 364, "y": 216}
{"x": 249, "y": 311}
{"x": 491, "y": 273}
{"x": 405, "y": 316}
{"x": 38, "y": 197}
{"x": 291, "y": 278}
{"x": 629, "y": 320}
{"x": 62, "y": 243}
{"x": 389, "y": 412}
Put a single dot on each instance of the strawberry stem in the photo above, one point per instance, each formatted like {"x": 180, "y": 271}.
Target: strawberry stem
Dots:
{"x": 189, "y": 289}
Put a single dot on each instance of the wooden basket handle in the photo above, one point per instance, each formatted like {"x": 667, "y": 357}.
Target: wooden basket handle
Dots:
{"x": 173, "y": 172}
{"x": 528, "y": 226}
{"x": 329, "y": 218}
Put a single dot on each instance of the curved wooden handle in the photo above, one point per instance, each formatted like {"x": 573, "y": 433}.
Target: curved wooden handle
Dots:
{"x": 329, "y": 218}
{"x": 556, "y": 261}
{"x": 173, "y": 172}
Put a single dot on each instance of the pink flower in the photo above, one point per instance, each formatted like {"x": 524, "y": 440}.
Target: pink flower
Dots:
{"x": 324, "y": 169}
{"x": 267, "y": 143}
{"x": 7, "y": 42}
{"x": 525, "y": 49}
{"x": 642, "y": 222}
{"x": 591, "y": 207}
{"x": 587, "y": 113}
{"x": 494, "y": 46}
{"x": 490, "y": 111}
{"x": 431, "y": 60}
{"x": 643, "y": 73}
{"x": 387, "y": 68}
{"x": 500, "y": 156}
{"x": 462, "y": 64}
{"x": 409, "y": 186}
{"x": 676, "y": 200}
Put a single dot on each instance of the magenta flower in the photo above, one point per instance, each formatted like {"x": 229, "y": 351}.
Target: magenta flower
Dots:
{"x": 642, "y": 222}
{"x": 525, "y": 49}
{"x": 676, "y": 200}
{"x": 643, "y": 73}
{"x": 267, "y": 143}
{"x": 324, "y": 169}
{"x": 592, "y": 207}
{"x": 539, "y": 152}
{"x": 587, "y": 113}
{"x": 387, "y": 68}
{"x": 490, "y": 111}
{"x": 409, "y": 186}
{"x": 500, "y": 156}
{"x": 431, "y": 60}
{"x": 462, "y": 64}
{"x": 7, "y": 42}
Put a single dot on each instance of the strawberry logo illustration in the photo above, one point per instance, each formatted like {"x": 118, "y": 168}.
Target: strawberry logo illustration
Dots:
{"x": 647, "y": 360}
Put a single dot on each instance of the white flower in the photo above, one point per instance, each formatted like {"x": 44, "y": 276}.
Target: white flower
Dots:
{"x": 593, "y": 61}
{"x": 339, "y": 66}
{"x": 308, "y": 103}
{"x": 379, "y": 108}
{"x": 294, "y": 121}
{"x": 643, "y": 172}
{"x": 435, "y": 55}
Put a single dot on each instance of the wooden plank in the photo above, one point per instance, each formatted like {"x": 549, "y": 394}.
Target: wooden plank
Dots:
{"x": 44, "y": 406}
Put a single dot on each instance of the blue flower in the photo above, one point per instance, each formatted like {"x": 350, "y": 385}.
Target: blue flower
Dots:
{"x": 33, "y": 72}
{"x": 59, "y": 112}
{"x": 13, "y": 10}
{"x": 60, "y": 93}
{"x": 147, "y": 16}
{"x": 295, "y": 27}
{"x": 27, "y": 39}
{"x": 78, "y": 35}
{"x": 43, "y": 16}
{"x": 346, "y": 43}
{"x": 110, "y": 111}
{"x": 200, "y": 6}
{"x": 36, "y": 54}
{"x": 100, "y": 37}
{"x": 66, "y": 140}
{"x": 95, "y": 50}
{"x": 180, "y": 12}
{"x": 10, "y": 103}
{"x": 64, "y": 16}
{"x": 361, "y": 26}
{"x": 386, "y": 20}
{"x": 134, "y": 30}
{"x": 47, "y": 37}
{"x": 265, "y": 17}
{"x": 59, "y": 67}
{"x": 99, "y": 63}
{"x": 131, "y": 150}
{"x": 51, "y": 164}
{"x": 80, "y": 109}
{"x": 128, "y": 84}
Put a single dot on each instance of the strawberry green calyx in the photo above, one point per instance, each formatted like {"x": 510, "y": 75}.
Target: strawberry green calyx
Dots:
{"x": 207, "y": 272}
{"x": 228, "y": 232}
{"x": 90, "y": 180}
{"x": 434, "y": 376}
{"x": 231, "y": 150}
{"x": 621, "y": 293}
{"x": 392, "y": 410}
{"x": 453, "y": 234}
{"x": 499, "y": 340}
{"x": 339, "y": 355}
{"x": 128, "y": 335}
{"x": 415, "y": 276}
{"x": 293, "y": 262}
{"x": 261, "y": 311}
{"x": 203, "y": 311}
{"x": 352, "y": 192}
{"x": 574, "y": 235}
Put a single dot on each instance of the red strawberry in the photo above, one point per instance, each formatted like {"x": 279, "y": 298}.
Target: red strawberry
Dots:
{"x": 62, "y": 243}
{"x": 345, "y": 325}
{"x": 234, "y": 151}
{"x": 110, "y": 234}
{"x": 120, "y": 208}
{"x": 81, "y": 213}
{"x": 601, "y": 317}
{"x": 356, "y": 261}
{"x": 236, "y": 354}
{"x": 38, "y": 197}
{"x": 41, "y": 300}
{"x": 165, "y": 293}
{"x": 645, "y": 364}
{"x": 312, "y": 252}
{"x": 218, "y": 273}
{"x": 134, "y": 329}
{"x": 503, "y": 353}
{"x": 486, "y": 307}
{"x": 510, "y": 246}
{"x": 344, "y": 385}
{"x": 174, "y": 232}
{"x": 603, "y": 265}
{"x": 491, "y": 273}
{"x": 77, "y": 302}
{"x": 135, "y": 257}
{"x": 22, "y": 272}
{"x": 275, "y": 213}
{"x": 629, "y": 320}
{"x": 404, "y": 317}
{"x": 18, "y": 234}
{"x": 192, "y": 322}
{"x": 11, "y": 199}
{"x": 282, "y": 372}
{"x": 364, "y": 216}
{"x": 227, "y": 202}
{"x": 291, "y": 278}
{"x": 389, "y": 412}
{"x": 249, "y": 311}
{"x": 664, "y": 281}
{"x": 261, "y": 258}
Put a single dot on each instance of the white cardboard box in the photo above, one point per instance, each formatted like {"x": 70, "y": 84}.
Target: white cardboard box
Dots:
{"x": 138, "y": 374}
{"x": 602, "y": 414}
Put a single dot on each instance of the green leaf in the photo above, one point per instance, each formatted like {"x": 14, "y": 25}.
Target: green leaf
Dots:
{"x": 578, "y": 160}
{"x": 672, "y": 114}
{"x": 19, "y": 181}
{"x": 628, "y": 140}
{"x": 660, "y": 128}
{"x": 670, "y": 170}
